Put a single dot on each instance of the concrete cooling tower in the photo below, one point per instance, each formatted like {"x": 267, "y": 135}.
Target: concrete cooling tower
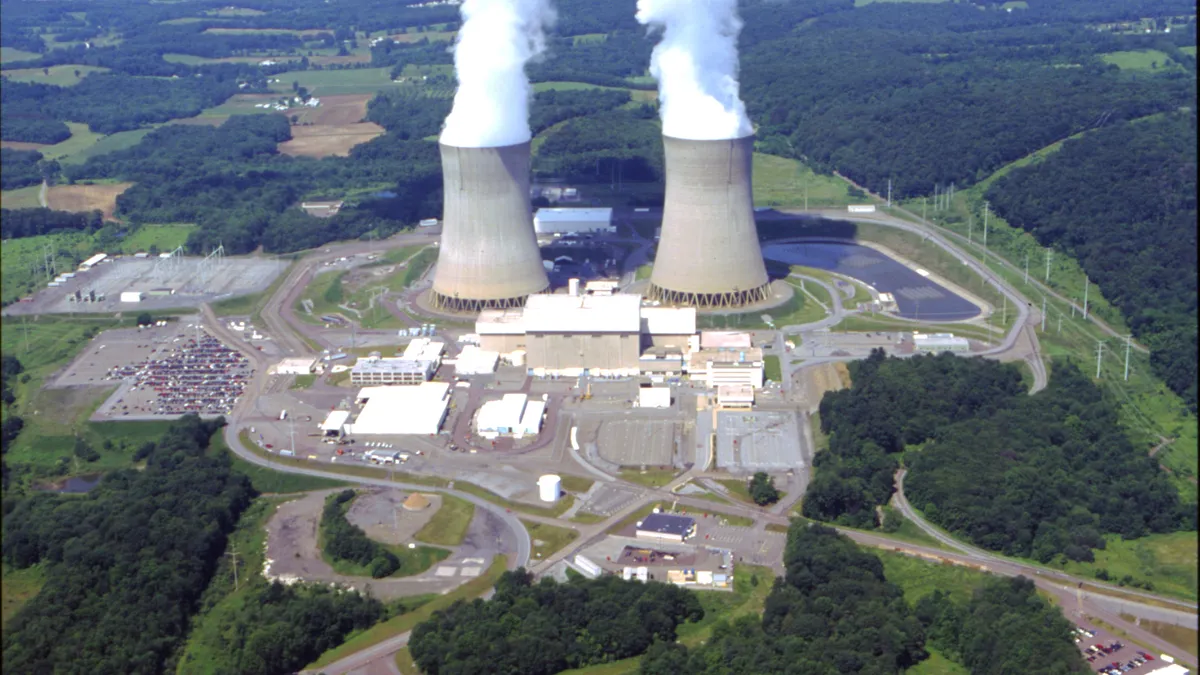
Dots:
{"x": 708, "y": 252}
{"x": 489, "y": 255}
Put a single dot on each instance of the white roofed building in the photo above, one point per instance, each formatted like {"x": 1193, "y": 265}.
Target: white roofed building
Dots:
{"x": 668, "y": 326}
{"x": 377, "y": 371}
{"x": 296, "y": 366}
{"x": 569, "y": 335}
{"x": 571, "y": 221}
{"x": 424, "y": 349}
{"x": 715, "y": 367}
{"x": 473, "y": 360}
{"x": 334, "y": 422}
{"x": 940, "y": 342}
{"x": 419, "y": 409}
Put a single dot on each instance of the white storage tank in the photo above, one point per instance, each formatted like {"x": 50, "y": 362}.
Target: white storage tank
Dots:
{"x": 549, "y": 487}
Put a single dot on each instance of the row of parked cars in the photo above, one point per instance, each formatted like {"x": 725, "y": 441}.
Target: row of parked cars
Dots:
{"x": 1097, "y": 652}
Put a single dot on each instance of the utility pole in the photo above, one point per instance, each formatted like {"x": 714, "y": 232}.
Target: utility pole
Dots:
{"x": 292, "y": 433}
{"x": 1086, "y": 283}
{"x": 1026, "y": 269}
{"x": 889, "y": 193}
{"x": 985, "y": 228}
{"x": 937, "y": 202}
{"x": 924, "y": 204}
{"x": 1049, "y": 253}
{"x": 970, "y": 226}
{"x": 1059, "y": 323}
{"x": 1099, "y": 356}
{"x": 233, "y": 554}
{"x": 1128, "y": 344}
{"x": 1043, "y": 314}
{"x": 1004, "y": 313}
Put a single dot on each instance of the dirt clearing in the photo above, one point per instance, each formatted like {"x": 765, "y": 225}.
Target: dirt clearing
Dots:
{"x": 337, "y": 110}
{"x": 83, "y": 198}
{"x": 328, "y": 141}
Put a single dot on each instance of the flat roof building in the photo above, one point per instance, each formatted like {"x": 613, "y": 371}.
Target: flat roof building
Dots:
{"x": 334, "y": 421}
{"x": 940, "y": 342}
{"x": 735, "y": 396}
{"x": 668, "y": 326}
{"x": 666, "y": 527}
{"x": 727, "y": 339}
{"x": 419, "y": 409}
{"x": 511, "y": 415}
{"x": 570, "y": 221}
{"x": 424, "y": 349}
{"x": 715, "y": 367}
{"x": 569, "y": 335}
{"x": 377, "y": 371}
{"x": 296, "y": 366}
{"x": 475, "y": 361}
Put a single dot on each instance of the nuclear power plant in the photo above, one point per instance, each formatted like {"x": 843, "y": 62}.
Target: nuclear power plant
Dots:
{"x": 489, "y": 256}
{"x": 708, "y": 253}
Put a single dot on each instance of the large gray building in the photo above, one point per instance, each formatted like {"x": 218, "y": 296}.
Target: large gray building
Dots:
{"x": 489, "y": 255}
{"x": 708, "y": 252}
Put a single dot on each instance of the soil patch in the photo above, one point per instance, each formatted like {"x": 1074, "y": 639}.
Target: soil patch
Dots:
{"x": 336, "y": 110}
{"x": 84, "y": 198}
{"x": 328, "y": 140}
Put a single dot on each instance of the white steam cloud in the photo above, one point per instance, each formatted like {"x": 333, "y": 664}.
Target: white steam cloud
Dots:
{"x": 497, "y": 38}
{"x": 696, "y": 65}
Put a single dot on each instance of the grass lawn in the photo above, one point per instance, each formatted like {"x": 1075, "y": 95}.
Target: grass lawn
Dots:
{"x": 1168, "y": 561}
{"x": 550, "y": 512}
{"x": 937, "y": 664}
{"x": 587, "y": 518}
{"x": 547, "y": 538}
{"x": 576, "y": 483}
{"x": 861, "y": 294}
{"x": 773, "y": 527}
{"x": 12, "y": 54}
{"x": 81, "y": 139}
{"x": 748, "y": 597}
{"x": 771, "y": 369}
{"x": 59, "y": 76}
{"x": 405, "y": 622}
{"x": 412, "y": 560}
{"x": 918, "y": 578}
{"x": 303, "y": 381}
{"x": 111, "y": 143}
{"x": 449, "y": 525}
{"x": 820, "y": 438}
{"x": 165, "y": 237}
{"x": 653, "y": 478}
{"x": 21, "y": 198}
{"x": 17, "y": 587}
{"x": 799, "y": 309}
{"x": 404, "y": 663}
{"x": 1184, "y": 638}
{"x": 326, "y": 293}
{"x": 627, "y": 666}
{"x": 878, "y": 322}
{"x": 782, "y": 182}
{"x": 643, "y": 272}
{"x": 1145, "y": 59}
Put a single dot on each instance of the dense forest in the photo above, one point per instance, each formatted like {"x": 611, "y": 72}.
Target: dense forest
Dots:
{"x": 832, "y": 613}
{"x": 31, "y": 128}
{"x": 999, "y": 628}
{"x": 1122, "y": 200}
{"x": 345, "y": 541}
{"x": 16, "y": 223}
{"x": 545, "y": 628}
{"x": 18, "y": 169}
{"x": 1033, "y": 476}
{"x": 128, "y": 561}
{"x": 607, "y": 146}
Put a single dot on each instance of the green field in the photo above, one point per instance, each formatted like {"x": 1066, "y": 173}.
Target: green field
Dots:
{"x": 1189, "y": 50}
{"x": 81, "y": 139}
{"x": 11, "y": 55}
{"x": 748, "y": 597}
{"x": 653, "y": 478}
{"x": 405, "y": 622}
{"x": 548, "y": 512}
{"x": 330, "y": 82}
{"x": 449, "y": 525}
{"x": 577, "y": 483}
{"x": 412, "y": 560}
{"x": 21, "y": 198}
{"x": 165, "y": 237}
{"x": 60, "y": 76}
{"x": 105, "y": 144}
{"x": 918, "y": 577}
{"x": 637, "y": 95}
{"x": 771, "y": 369}
{"x": 547, "y": 539}
{"x": 861, "y": 294}
{"x": 1145, "y": 59}
{"x": 18, "y": 587}
{"x": 1167, "y": 560}
{"x": 783, "y": 183}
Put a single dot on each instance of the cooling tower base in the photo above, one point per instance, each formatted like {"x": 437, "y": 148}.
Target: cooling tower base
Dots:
{"x": 463, "y": 305}
{"x": 727, "y": 300}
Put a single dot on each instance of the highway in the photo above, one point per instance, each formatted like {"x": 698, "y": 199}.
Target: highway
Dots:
{"x": 275, "y": 315}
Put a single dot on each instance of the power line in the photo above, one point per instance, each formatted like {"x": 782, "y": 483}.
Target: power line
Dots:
{"x": 1099, "y": 356}
{"x": 1128, "y": 345}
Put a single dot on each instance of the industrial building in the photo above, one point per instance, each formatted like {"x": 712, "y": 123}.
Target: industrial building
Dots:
{"x": 940, "y": 342}
{"x": 419, "y": 409}
{"x": 666, "y": 527}
{"x": 334, "y": 422}
{"x": 654, "y": 397}
{"x": 511, "y": 415}
{"x": 735, "y": 396}
{"x": 668, "y": 326}
{"x": 570, "y": 335}
{"x": 475, "y": 361}
{"x": 716, "y": 367}
{"x": 488, "y": 256}
{"x": 92, "y": 261}
{"x": 424, "y": 349}
{"x": 300, "y": 365}
{"x": 715, "y": 339}
{"x": 573, "y": 221}
{"x": 709, "y": 255}
{"x": 374, "y": 371}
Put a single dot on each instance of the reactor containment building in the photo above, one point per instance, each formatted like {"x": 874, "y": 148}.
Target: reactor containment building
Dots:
{"x": 708, "y": 252}
{"x": 489, "y": 257}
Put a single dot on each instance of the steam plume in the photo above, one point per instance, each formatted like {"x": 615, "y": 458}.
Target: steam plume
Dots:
{"x": 497, "y": 38}
{"x": 696, "y": 66}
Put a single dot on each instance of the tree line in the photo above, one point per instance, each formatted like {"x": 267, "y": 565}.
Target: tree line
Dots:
{"x": 126, "y": 563}
{"x": 547, "y": 627}
{"x": 19, "y": 168}
{"x": 1122, "y": 200}
{"x": 1039, "y": 476}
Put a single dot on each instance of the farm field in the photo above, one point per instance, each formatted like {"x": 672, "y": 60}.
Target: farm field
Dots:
{"x": 82, "y": 198}
{"x": 432, "y": 36}
{"x": 639, "y": 95}
{"x": 21, "y": 198}
{"x": 163, "y": 237}
{"x": 61, "y": 76}
{"x": 11, "y": 55}
{"x": 323, "y": 83}
{"x": 191, "y": 60}
{"x": 81, "y": 139}
{"x": 105, "y": 144}
{"x": 328, "y": 140}
{"x": 1145, "y": 59}
{"x": 265, "y": 31}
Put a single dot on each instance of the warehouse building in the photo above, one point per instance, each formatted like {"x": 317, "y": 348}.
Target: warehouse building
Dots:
{"x": 296, "y": 366}
{"x": 573, "y": 221}
{"x": 666, "y": 527}
{"x": 716, "y": 367}
{"x": 511, "y": 415}
{"x": 374, "y": 371}
{"x": 334, "y": 422}
{"x": 572, "y": 335}
{"x": 419, "y": 409}
{"x": 501, "y": 330}
{"x": 940, "y": 342}
{"x": 475, "y": 361}
{"x": 424, "y": 349}
{"x": 668, "y": 326}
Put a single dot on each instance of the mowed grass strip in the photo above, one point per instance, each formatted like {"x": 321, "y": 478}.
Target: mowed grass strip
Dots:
{"x": 405, "y": 622}
{"x": 548, "y": 539}
{"x": 449, "y": 525}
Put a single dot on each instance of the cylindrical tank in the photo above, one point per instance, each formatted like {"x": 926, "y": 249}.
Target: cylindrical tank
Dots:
{"x": 708, "y": 252}
{"x": 549, "y": 487}
{"x": 573, "y": 287}
{"x": 489, "y": 255}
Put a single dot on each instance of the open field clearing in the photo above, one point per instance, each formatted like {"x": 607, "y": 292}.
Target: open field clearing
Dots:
{"x": 1146, "y": 59}
{"x": 10, "y": 55}
{"x": 86, "y": 197}
{"x": 335, "y": 60}
{"x": 328, "y": 141}
{"x": 266, "y": 31}
{"x": 105, "y": 144}
{"x": 783, "y": 182}
{"x": 323, "y": 83}
{"x": 21, "y": 145}
{"x": 81, "y": 139}
{"x": 432, "y": 36}
{"x": 190, "y": 60}
{"x": 1166, "y": 560}
{"x": 22, "y": 198}
{"x": 163, "y": 237}
{"x": 62, "y": 76}
{"x": 337, "y": 110}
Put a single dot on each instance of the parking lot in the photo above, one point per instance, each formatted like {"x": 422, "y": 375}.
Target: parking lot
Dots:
{"x": 184, "y": 371}
{"x": 758, "y": 441}
{"x": 1106, "y": 653}
{"x": 636, "y": 442}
